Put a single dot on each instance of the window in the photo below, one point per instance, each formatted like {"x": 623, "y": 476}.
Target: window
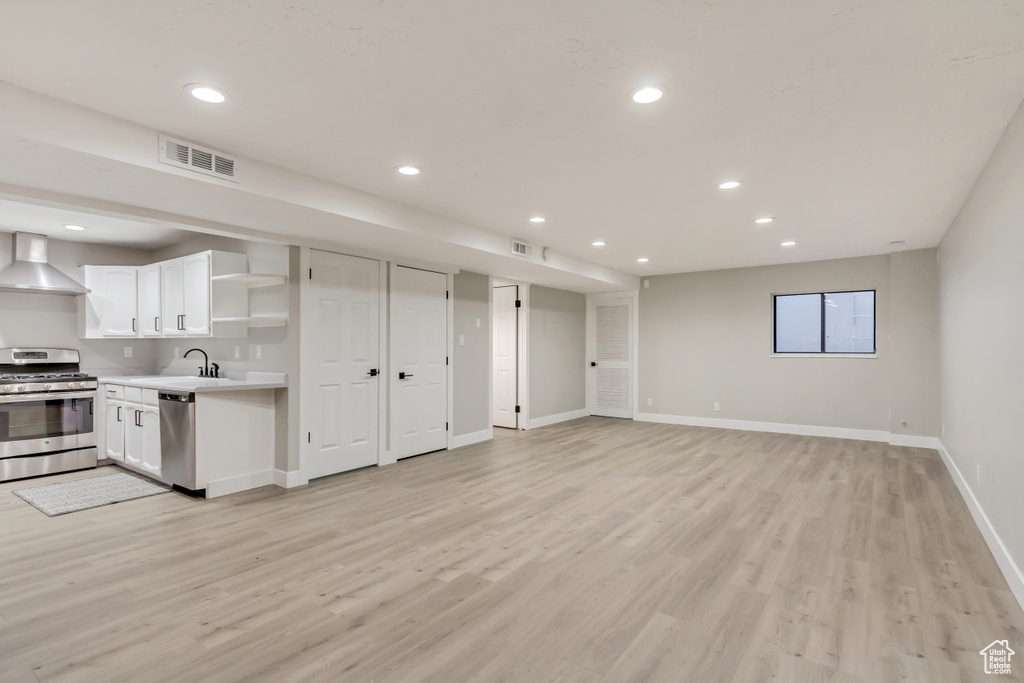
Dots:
{"x": 836, "y": 322}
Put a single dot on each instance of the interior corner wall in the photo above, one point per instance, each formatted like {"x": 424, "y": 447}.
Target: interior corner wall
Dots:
{"x": 557, "y": 352}
{"x": 706, "y": 337}
{"x": 981, "y": 280}
{"x": 471, "y": 371}
{"x": 914, "y": 343}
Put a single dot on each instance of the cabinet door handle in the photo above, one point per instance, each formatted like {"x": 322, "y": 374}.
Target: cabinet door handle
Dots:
{"x": 138, "y": 418}
{"x": 181, "y": 321}
{"x": 119, "y": 413}
{"x": 133, "y": 325}
{"x": 156, "y": 323}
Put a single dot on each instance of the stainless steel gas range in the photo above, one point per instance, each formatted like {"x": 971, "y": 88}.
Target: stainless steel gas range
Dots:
{"x": 47, "y": 413}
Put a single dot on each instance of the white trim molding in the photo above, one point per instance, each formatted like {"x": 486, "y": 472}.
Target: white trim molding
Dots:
{"x": 913, "y": 441}
{"x": 471, "y": 438}
{"x": 1011, "y": 572}
{"x": 776, "y": 427}
{"x": 253, "y": 480}
{"x": 289, "y": 480}
{"x": 555, "y": 419}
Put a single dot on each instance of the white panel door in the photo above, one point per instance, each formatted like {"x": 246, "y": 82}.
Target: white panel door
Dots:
{"x": 172, "y": 296}
{"x": 116, "y": 415}
{"x": 611, "y": 381}
{"x": 133, "y": 436}
{"x": 343, "y": 309}
{"x": 151, "y": 459}
{"x": 196, "y": 311}
{"x": 118, "y": 287}
{"x": 419, "y": 373}
{"x": 149, "y": 301}
{"x": 506, "y": 354}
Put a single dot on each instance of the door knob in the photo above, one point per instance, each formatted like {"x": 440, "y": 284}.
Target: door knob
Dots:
{"x": 403, "y": 375}
{"x": 374, "y": 372}
{"x": 593, "y": 364}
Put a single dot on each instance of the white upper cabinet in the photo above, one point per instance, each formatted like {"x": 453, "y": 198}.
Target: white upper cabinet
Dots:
{"x": 150, "y": 301}
{"x": 196, "y": 319}
{"x": 109, "y": 309}
{"x": 200, "y": 295}
{"x": 172, "y": 285}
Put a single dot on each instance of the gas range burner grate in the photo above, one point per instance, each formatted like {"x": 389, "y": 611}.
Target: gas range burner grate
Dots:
{"x": 44, "y": 376}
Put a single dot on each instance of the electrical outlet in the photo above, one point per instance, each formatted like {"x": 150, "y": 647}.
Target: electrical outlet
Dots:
{"x": 647, "y": 283}
{"x": 478, "y": 322}
{"x": 127, "y": 352}
{"x": 650, "y": 401}
{"x": 259, "y": 351}
{"x": 718, "y": 406}
{"x": 238, "y": 352}
{"x": 177, "y": 352}
{"x": 462, "y": 340}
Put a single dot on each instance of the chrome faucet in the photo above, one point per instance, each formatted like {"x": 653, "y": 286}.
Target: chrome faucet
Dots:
{"x": 205, "y": 370}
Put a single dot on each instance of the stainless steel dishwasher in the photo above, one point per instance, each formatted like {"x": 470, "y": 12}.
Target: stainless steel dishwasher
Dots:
{"x": 178, "y": 439}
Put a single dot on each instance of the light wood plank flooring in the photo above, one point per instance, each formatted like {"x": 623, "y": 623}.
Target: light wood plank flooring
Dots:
{"x": 596, "y": 550}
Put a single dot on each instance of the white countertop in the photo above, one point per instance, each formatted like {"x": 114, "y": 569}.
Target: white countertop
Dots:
{"x": 252, "y": 382}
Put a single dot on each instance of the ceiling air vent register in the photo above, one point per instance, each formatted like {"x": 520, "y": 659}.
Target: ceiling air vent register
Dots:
{"x": 174, "y": 152}
{"x": 521, "y": 248}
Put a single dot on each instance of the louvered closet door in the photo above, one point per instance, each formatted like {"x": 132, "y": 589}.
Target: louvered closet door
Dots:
{"x": 612, "y": 381}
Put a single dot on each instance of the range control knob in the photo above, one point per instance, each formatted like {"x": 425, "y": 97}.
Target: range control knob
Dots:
{"x": 47, "y": 386}
{"x": 72, "y": 385}
{"x": 7, "y": 388}
{"x": 20, "y": 387}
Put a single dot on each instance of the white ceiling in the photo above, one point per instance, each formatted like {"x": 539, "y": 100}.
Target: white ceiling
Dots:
{"x": 853, "y": 123}
{"x": 50, "y": 221}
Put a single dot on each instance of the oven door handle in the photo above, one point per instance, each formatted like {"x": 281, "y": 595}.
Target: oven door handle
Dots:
{"x": 43, "y": 396}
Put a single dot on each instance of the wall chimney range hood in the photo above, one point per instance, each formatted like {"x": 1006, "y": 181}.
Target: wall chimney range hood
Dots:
{"x": 29, "y": 271}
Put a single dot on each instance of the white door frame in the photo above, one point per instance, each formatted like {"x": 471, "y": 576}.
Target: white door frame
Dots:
{"x": 591, "y": 347}
{"x": 307, "y": 393}
{"x": 523, "y": 344}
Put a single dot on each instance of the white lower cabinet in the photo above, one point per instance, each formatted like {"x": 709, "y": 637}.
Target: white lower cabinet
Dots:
{"x": 133, "y": 428}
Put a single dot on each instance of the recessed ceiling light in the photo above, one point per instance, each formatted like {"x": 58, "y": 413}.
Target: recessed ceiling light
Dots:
{"x": 74, "y": 227}
{"x": 729, "y": 185}
{"x": 537, "y": 219}
{"x": 599, "y": 243}
{"x": 764, "y": 220}
{"x": 409, "y": 170}
{"x": 206, "y": 93}
{"x": 642, "y": 260}
{"x": 647, "y": 94}
{"x": 789, "y": 244}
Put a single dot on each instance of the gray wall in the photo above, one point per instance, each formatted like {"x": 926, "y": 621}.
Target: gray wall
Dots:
{"x": 914, "y": 351}
{"x": 52, "y": 320}
{"x": 707, "y": 337}
{"x": 982, "y": 374}
{"x": 557, "y": 351}
{"x": 471, "y": 369}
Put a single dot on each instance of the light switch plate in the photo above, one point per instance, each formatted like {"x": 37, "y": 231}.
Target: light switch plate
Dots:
{"x": 127, "y": 352}
{"x": 462, "y": 340}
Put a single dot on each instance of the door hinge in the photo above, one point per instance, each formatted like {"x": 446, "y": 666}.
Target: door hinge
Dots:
{"x": 517, "y": 409}
{"x": 446, "y": 426}
{"x": 309, "y": 437}
{"x": 446, "y": 360}
{"x": 519, "y": 304}
{"x": 446, "y": 294}
{"x": 310, "y": 273}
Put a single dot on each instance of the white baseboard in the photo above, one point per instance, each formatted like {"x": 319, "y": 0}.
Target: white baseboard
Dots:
{"x": 244, "y": 482}
{"x": 471, "y": 438}
{"x": 777, "y": 427}
{"x": 931, "y": 442}
{"x": 289, "y": 480}
{"x": 1011, "y": 572}
{"x": 555, "y": 419}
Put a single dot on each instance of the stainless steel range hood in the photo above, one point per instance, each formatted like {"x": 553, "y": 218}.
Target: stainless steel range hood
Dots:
{"x": 29, "y": 271}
